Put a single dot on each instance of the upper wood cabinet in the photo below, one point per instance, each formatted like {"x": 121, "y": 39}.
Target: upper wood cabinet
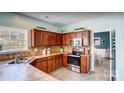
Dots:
{"x": 35, "y": 38}
{"x": 59, "y": 39}
{"x": 79, "y": 34}
{"x": 53, "y": 38}
{"x": 45, "y": 38}
{"x": 86, "y": 38}
{"x": 72, "y": 35}
{"x": 66, "y": 39}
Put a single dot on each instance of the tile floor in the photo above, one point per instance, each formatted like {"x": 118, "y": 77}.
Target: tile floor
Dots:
{"x": 101, "y": 73}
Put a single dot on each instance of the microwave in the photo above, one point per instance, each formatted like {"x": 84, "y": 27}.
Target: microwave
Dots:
{"x": 76, "y": 42}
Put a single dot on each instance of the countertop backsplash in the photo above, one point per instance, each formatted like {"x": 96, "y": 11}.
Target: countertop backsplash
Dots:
{"x": 32, "y": 52}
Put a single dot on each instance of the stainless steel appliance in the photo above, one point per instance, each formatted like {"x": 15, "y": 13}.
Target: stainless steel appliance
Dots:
{"x": 74, "y": 63}
{"x": 74, "y": 59}
{"x": 76, "y": 42}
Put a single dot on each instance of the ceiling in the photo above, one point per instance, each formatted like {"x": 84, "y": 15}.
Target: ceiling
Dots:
{"x": 64, "y": 18}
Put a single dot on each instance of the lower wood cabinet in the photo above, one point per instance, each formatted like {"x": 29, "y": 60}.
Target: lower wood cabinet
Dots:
{"x": 51, "y": 63}
{"x": 84, "y": 66}
{"x": 59, "y": 59}
{"x": 41, "y": 64}
{"x": 65, "y": 60}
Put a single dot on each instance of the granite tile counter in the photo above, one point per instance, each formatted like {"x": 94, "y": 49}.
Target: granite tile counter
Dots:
{"x": 23, "y": 72}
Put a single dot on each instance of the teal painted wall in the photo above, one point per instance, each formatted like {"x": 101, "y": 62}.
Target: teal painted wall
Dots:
{"x": 106, "y": 40}
{"x": 24, "y": 22}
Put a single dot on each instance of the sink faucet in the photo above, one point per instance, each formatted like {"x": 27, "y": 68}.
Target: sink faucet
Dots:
{"x": 17, "y": 57}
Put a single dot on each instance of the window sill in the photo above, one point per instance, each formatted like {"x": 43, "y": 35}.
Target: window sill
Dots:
{"x": 11, "y": 52}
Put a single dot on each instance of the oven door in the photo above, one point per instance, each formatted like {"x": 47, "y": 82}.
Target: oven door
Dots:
{"x": 74, "y": 60}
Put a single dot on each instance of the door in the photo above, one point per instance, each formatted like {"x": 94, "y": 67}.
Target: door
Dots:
{"x": 86, "y": 38}
{"x": 79, "y": 34}
{"x": 58, "y": 63}
{"x": 35, "y": 38}
{"x": 51, "y": 63}
{"x": 65, "y": 60}
{"x": 58, "y": 39}
{"x": 40, "y": 64}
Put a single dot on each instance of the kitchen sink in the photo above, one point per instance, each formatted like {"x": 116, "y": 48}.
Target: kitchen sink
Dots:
{"x": 21, "y": 61}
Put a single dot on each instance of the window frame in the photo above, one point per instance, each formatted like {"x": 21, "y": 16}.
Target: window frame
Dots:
{"x": 25, "y": 40}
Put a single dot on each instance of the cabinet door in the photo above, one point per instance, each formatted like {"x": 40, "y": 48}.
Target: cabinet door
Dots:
{"x": 52, "y": 38}
{"x": 40, "y": 64}
{"x": 65, "y": 60}
{"x": 58, "y": 39}
{"x": 72, "y": 35}
{"x": 35, "y": 38}
{"x": 45, "y": 38}
{"x": 64, "y": 39}
{"x": 84, "y": 66}
{"x": 51, "y": 64}
{"x": 86, "y": 38}
{"x": 58, "y": 63}
{"x": 79, "y": 34}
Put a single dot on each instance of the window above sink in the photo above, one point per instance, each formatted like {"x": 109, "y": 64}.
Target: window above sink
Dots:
{"x": 13, "y": 40}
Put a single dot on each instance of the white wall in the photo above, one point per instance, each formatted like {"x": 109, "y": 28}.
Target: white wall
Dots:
{"x": 119, "y": 25}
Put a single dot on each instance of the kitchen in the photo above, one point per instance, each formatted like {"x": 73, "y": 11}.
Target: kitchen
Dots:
{"x": 31, "y": 49}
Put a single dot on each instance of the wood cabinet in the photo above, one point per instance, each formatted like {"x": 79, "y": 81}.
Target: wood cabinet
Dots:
{"x": 59, "y": 39}
{"x": 35, "y": 38}
{"x": 84, "y": 66}
{"x": 40, "y": 64}
{"x": 51, "y": 63}
{"x": 66, "y": 39}
{"x": 65, "y": 60}
{"x": 45, "y": 38}
{"x": 86, "y": 38}
{"x": 79, "y": 34}
{"x": 72, "y": 35}
{"x": 59, "y": 59}
{"x": 52, "y": 38}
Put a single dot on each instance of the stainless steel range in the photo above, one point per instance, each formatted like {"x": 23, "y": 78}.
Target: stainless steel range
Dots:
{"x": 74, "y": 59}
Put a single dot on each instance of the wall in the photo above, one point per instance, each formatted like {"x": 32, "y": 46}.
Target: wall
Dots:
{"x": 23, "y": 22}
{"x": 96, "y": 24}
{"x": 105, "y": 45}
{"x": 104, "y": 39}
{"x": 15, "y": 20}
{"x": 119, "y": 26}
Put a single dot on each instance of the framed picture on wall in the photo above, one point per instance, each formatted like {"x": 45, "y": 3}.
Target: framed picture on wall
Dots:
{"x": 97, "y": 41}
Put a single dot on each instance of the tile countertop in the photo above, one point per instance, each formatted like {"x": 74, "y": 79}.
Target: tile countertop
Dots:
{"x": 24, "y": 72}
